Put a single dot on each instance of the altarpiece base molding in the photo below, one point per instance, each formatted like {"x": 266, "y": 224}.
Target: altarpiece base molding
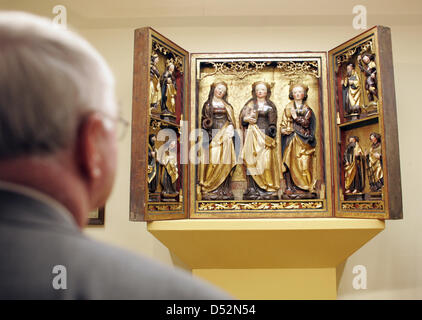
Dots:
{"x": 262, "y": 205}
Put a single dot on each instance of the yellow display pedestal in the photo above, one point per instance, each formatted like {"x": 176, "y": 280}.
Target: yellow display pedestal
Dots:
{"x": 267, "y": 258}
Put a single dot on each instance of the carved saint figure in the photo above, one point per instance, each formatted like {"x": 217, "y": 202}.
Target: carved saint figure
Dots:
{"x": 168, "y": 90}
{"x": 170, "y": 173}
{"x": 369, "y": 68}
{"x": 218, "y": 121}
{"x": 152, "y": 164}
{"x": 374, "y": 162}
{"x": 354, "y": 178}
{"x": 154, "y": 87}
{"x": 298, "y": 143}
{"x": 351, "y": 91}
{"x": 258, "y": 119}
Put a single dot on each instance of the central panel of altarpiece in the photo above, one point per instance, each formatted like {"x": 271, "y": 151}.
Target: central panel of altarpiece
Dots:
{"x": 259, "y": 154}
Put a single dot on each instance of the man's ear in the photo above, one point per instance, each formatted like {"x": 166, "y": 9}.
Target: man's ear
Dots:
{"x": 88, "y": 148}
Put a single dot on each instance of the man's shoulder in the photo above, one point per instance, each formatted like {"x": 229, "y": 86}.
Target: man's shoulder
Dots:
{"x": 35, "y": 239}
{"x": 109, "y": 272}
{"x": 89, "y": 269}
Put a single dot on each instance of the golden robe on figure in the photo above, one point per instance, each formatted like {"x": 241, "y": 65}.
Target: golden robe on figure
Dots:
{"x": 375, "y": 173}
{"x": 154, "y": 89}
{"x": 375, "y": 163}
{"x": 298, "y": 145}
{"x": 354, "y": 178}
{"x": 169, "y": 171}
{"x": 259, "y": 151}
{"x": 221, "y": 153}
{"x": 171, "y": 98}
{"x": 168, "y": 93}
{"x": 352, "y": 93}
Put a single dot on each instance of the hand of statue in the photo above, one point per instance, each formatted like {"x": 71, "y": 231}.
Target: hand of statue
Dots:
{"x": 250, "y": 120}
{"x": 342, "y": 82}
{"x": 373, "y": 75}
{"x": 168, "y": 80}
{"x": 153, "y": 154}
{"x": 229, "y": 132}
{"x": 377, "y": 155}
{"x": 359, "y": 57}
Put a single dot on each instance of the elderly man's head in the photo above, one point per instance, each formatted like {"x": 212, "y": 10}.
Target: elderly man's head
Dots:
{"x": 57, "y": 105}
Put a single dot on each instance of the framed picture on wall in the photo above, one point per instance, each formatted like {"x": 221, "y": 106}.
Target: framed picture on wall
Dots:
{"x": 96, "y": 218}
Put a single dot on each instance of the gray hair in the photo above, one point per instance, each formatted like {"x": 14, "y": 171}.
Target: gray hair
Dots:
{"x": 50, "y": 78}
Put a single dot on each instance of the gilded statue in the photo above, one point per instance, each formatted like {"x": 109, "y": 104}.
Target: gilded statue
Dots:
{"x": 154, "y": 87}
{"x": 298, "y": 124}
{"x": 369, "y": 68}
{"x": 354, "y": 175}
{"x": 168, "y": 90}
{"x": 258, "y": 120}
{"x": 218, "y": 121}
{"x": 374, "y": 163}
{"x": 351, "y": 91}
{"x": 153, "y": 165}
{"x": 170, "y": 173}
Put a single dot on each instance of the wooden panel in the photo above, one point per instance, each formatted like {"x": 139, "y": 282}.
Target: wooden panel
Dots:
{"x": 386, "y": 203}
{"x": 239, "y": 81}
{"x": 143, "y": 204}
{"x": 391, "y": 139}
{"x": 138, "y": 179}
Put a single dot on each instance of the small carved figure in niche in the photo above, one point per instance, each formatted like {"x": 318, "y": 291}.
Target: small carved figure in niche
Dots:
{"x": 374, "y": 163}
{"x": 354, "y": 177}
{"x": 168, "y": 91}
{"x": 298, "y": 143}
{"x": 152, "y": 164}
{"x": 258, "y": 119}
{"x": 219, "y": 122}
{"x": 170, "y": 173}
{"x": 155, "y": 87}
{"x": 351, "y": 92}
{"x": 369, "y": 68}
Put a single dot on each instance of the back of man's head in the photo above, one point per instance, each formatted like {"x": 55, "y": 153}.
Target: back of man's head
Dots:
{"x": 52, "y": 84}
{"x": 49, "y": 78}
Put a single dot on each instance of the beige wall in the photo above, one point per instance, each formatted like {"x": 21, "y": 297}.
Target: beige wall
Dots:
{"x": 393, "y": 259}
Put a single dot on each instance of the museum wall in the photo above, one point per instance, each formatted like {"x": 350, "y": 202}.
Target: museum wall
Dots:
{"x": 394, "y": 257}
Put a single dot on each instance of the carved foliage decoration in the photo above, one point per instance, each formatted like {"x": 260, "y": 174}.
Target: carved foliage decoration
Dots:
{"x": 297, "y": 69}
{"x": 247, "y": 206}
{"x": 366, "y": 46}
{"x": 242, "y": 69}
{"x": 375, "y": 205}
{"x": 176, "y": 59}
{"x": 159, "y": 207}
